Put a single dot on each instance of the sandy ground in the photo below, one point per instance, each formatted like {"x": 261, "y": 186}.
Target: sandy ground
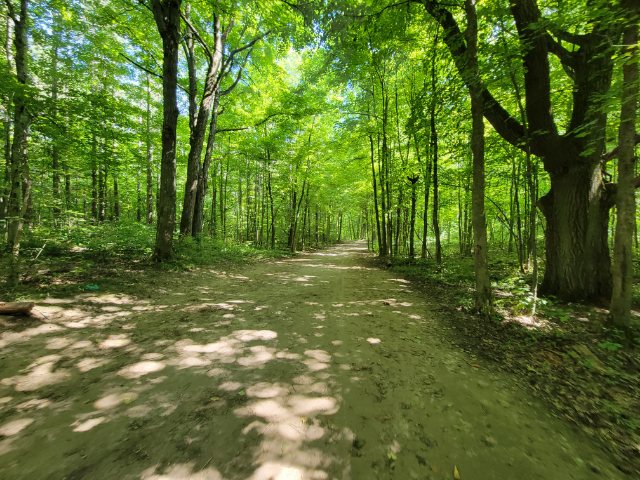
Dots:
{"x": 314, "y": 367}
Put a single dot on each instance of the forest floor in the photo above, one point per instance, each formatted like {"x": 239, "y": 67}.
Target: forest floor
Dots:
{"x": 318, "y": 366}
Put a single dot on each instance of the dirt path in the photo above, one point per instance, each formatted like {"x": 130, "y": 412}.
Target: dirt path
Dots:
{"x": 310, "y": 368}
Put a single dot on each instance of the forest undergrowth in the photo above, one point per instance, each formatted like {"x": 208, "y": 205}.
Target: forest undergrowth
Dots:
{"x": 565, "y": 354}
{"x": 91, "y": 258}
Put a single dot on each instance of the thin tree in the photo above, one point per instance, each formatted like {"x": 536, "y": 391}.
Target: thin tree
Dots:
{"x": 625, "y": 196}
{"x": 483, "y": 285}
{"x": 19, "y": 181}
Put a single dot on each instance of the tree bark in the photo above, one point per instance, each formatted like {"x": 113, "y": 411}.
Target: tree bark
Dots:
{"x": 6, "y": 185}
{"x": 620, "y": 307}
{"x": 149, "y": 157}
{"x": 199, "y": 130}
{"x": 203, "y": 172}
{"x": 94, "y": 178}
{"x": 20, "y": 183}
{"x": 434, "y": 152}
{"x": 55, "y": 150}
{"x": 412, "y": 222}
{"x": 375, "y": 195}
{"x": 483, "y": 285}
{"x": 167, "y": 16}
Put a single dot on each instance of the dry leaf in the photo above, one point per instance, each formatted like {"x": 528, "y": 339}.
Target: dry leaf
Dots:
{"x": 456, "y": 473}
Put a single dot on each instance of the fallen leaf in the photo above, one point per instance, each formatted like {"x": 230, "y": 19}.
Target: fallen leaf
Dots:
{"x": 456, "y": 473}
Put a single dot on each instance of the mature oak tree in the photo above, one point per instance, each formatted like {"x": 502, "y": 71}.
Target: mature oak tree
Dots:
{"x": 576, "y": 208}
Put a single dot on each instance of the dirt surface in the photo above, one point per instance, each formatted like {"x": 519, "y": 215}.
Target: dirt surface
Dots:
{"x": 314, "y": 367}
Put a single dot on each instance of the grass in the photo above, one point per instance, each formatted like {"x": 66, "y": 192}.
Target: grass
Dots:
{"x": 86, "y": 257}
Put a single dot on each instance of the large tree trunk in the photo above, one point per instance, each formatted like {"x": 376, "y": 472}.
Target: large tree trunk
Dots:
{"x": 576, "y": 210}
{"x": 167, "y": 17}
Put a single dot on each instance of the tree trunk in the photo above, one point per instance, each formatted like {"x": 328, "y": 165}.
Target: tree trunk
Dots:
{"x": 199, "y": 130}
{"x": 436, "y": 202}
{"x": 434, "y": 152}
{"x": 427, "y": 188}
{"x": 102, "y": 190}
{"x": 116, "y": 198}
{"x": 620, "y": 309}
{"x": 203, "y": 172}
{"x": 55, "y": 150}
{"x": 375, "y": 196}
{"x": 483, "y": 285}
{"x": 149, "y": 163}
{"x": 6, "y": 186}
{"x": 20, "y": 183}
{"x": 94, "y": 178}
{"x": 271, "y": 206}
{"x": 576, "y": 207}
{"x": 412, "y": 222}
{"x": 167, "y": 17}
{"x": 577, "y": 254}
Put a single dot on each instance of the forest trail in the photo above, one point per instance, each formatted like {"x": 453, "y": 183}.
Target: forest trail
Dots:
{"x": 313, "y": 367}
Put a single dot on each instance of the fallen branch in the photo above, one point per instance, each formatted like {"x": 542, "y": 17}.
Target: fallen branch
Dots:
{"x": 16, "y": 308}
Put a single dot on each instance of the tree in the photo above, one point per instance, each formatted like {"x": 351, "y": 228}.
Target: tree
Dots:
{"x": 19, "y": 181}
{"x": 167, "y": 17}
{"x": 576, "y": 207}
{"x": 625, "y": 195}
{"x": 483, "y": 286}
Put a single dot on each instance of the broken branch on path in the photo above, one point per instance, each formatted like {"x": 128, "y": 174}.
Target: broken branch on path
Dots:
{"x": 16, "y": 308}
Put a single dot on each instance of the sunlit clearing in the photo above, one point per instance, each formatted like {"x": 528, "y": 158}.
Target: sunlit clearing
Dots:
{"x": 115, "y": 341}
{"x": 140, "y": 369}
{"x": 34, "y": 404}
{"x": 259, "y": 356}
{"x": 277, "y": 471}
{"x": 529, "y": 322}
{"x": 87, "y": 364}
{"x": 42, "y": 374}
{"x": 15, "y": 427}
{"x": 267, "y": 390}
{"x": 57, "y": 343}
{"x": 7, "y": 338}
{"x": 182, "y": 471}
{"x": 117, "y": 299}
{"x": 253, "y": 335}
{"x": 88, "y": 424}
{"x": 114, "y": 399}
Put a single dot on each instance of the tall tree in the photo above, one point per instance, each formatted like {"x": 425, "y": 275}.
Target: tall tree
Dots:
{"x": 19, "y": 181}
{"x": 576, "y": 207}
{"x": 625, "y": 195}
{"x": 167, "y": 17}
{"x": 483, "y": 286}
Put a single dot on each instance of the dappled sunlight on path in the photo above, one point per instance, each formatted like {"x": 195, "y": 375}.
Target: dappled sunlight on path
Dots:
{"x": 314, "y": 367}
